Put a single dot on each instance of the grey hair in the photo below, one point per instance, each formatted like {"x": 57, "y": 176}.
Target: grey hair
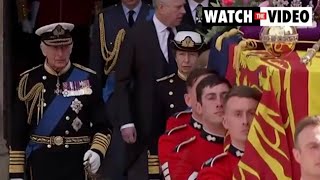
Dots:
{"x": 156, "y": 3}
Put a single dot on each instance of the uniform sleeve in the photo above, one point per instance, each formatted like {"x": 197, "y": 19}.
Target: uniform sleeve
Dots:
{"x": 96, "y": 62}
{"x": 124, "y": 76}
{"x": 23, "y": 9}
{"x": 100, "y": 124}
{"x": 216, "y": 172}
{"x": 18, "y": 139}
{"x": 178, "y": 168}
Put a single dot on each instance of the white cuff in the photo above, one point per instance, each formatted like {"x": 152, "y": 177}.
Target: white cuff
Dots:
{"x": 193, "y": 176}
{"x": 127, "y": 126}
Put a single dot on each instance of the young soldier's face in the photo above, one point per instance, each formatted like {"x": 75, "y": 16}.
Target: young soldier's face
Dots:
{"x": 211, "y": 107}
{"x": 186, "y": 61}
{"x": 239, "y": 113}
{"x": 57, "y": 56}
{"x": 191, "y": 96}
{"x": 307, "y": 153}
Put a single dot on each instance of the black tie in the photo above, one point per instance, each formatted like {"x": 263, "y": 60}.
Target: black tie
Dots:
{"x": 171, "y": 60}
{"x": 130, "y": 19}
{"x": 199, "y": 15}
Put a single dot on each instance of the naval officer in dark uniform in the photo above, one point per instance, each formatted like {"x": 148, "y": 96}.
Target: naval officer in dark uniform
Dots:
{"x": 58, "y": 128}
{"x": 171, "y": 89}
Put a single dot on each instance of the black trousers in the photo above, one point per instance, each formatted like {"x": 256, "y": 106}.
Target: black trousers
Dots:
{"x": 57, "y": 164}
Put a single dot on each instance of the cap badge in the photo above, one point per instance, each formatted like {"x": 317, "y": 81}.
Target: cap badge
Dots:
{"x": 58, "y": 31}
{"x": 187, "y": 42}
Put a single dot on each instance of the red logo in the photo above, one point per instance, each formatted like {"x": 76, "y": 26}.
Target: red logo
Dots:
{"x": 260, "y": 16}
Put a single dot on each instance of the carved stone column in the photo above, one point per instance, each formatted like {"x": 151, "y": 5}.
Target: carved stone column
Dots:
{"x": 4, "y": 158}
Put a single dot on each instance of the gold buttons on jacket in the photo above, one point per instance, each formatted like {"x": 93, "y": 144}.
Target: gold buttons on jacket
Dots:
{"x": 171, "y": 80}
{"x": 44, "y": 77}
{"x": 67, "y": 118}
{"x": 171, "y": 105}
{"x": 66, "y": 146}
{"x": 66, "y": 132}
{"x": 44, "y": 104}
{"x": 170, "y": 93}
{"x": 48, "y": 146}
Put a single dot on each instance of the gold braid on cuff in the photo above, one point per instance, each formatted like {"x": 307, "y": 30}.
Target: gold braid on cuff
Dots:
{"x": 16, "y": 161}
{"x": 101, "y": 142}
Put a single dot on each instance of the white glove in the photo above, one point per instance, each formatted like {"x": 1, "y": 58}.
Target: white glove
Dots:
{"x": 16, "y": 179}
{"x": 26, "y": 26}
{"x": 93, "y": 159}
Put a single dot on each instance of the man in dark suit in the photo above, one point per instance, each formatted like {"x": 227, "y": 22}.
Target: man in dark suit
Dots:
{"x": 192, "y": 19}
{"x": 109, "y": 28}
{"x": 145, "y": 57}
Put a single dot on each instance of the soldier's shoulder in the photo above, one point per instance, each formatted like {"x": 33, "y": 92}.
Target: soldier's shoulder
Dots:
{"x": 83, "y": 68}
{"x": 176, "y": 129}
{"x": 162, "y": 79}
{"x": 185, "y": 143}
{"x": 181, "y": 113}
{"x": 210, "y": 162}
{"x": 33, "y": 69}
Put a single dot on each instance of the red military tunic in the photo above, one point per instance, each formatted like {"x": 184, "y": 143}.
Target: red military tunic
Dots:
{"x": 191, "y": 154}
{"x": 222, "y": 166}
{"x": 178, "y": 119}
{"x": 168, "y": 141}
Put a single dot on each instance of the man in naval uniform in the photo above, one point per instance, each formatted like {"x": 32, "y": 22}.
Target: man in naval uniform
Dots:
{"x": 240, "y": 105}
{"x": 109, "y": 28}
{"x": 58, "y": 128}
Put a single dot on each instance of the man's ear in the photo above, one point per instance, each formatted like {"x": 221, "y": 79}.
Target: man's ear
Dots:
{"x": 43, "y": 49}
{"x": 187, "y": 99}
{"x": 199, "y": 108}
{"x": 225, "y": 122}
{"x": 296, "y": 154}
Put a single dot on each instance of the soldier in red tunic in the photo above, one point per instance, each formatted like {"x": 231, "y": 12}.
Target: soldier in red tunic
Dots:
{"x": 188, "y": 159}
{"x": 306, "y": 149}
{"x": 186, "y": 126}
{"x": 240, "y": 106}
{"x": 183, "y": 117}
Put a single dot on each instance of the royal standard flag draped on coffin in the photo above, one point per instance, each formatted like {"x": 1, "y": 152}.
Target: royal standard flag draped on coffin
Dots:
{"x": 290, "y": 92}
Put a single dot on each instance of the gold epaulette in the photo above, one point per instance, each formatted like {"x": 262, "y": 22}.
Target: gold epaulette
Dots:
{"x": 183, "y": 112}
{"x": 209, "y": 163}
{"x": 84, "y": 68}
{"x": 165, "y": 77}
{"x": 101, "y": 142}
{"x": 27, "y": 71}
{"x": 176, "y": 128}
{"x": 185, "y": 143}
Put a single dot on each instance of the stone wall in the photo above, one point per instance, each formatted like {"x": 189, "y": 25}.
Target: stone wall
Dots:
{"x": 4, "y": 159}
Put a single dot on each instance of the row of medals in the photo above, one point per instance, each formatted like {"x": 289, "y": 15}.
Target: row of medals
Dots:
{"x": 75, "y": 88}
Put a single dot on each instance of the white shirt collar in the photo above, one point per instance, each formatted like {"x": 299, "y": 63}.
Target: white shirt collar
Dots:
{"x": 193, "y": 5}
{"x": 160, "y": 27}
{"x": 136, "y": 9}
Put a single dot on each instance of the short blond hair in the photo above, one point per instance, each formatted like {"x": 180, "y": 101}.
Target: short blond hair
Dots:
{"x": 302, "y": 124}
